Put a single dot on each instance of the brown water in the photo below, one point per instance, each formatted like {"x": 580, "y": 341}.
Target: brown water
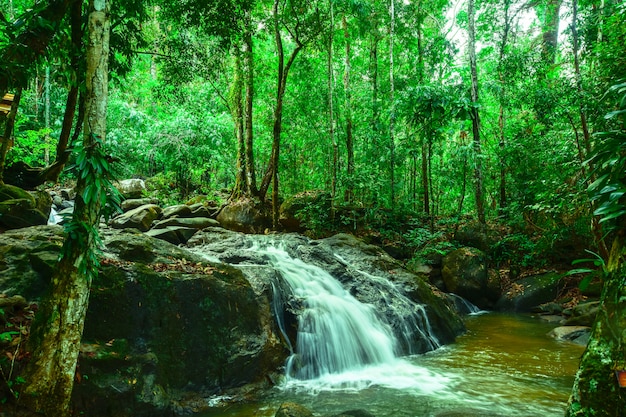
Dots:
{"x": 505, "y": 365}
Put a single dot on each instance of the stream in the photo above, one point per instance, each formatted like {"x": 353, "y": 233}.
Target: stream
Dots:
{"x": 504, "y": 365}
{"x": 348, "y": 357}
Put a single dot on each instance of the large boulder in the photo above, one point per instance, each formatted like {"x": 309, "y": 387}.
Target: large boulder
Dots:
{"x": 464, "y": 273}
{"x": 162, "y": 322}
{"x": 246, "y": 215}
{"x": 139, "y": 218}
{"x": 528, "y": 293}
{"x": 298, "y": 211}
{"x": 18, "y": 208}
{"x": 131, "y": 188}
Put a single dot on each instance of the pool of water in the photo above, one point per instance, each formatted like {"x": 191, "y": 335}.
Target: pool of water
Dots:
{"x": 505, "y": 365}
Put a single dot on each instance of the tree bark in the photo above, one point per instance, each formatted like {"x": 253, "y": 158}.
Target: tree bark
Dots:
{"x": 596, "y": 391}
{"x": 248, "y": 64}
{"x": 331, "y": 116}
{"x": 58, "y": 328}
{"x": 236, "y": 105}
{"x": 283, "y": 73}
{"x": 478, "y": 171}
{"x": 550, "y": 31}
{"x": 348, "y": 104}
{"x": 9, "y": 124}
{"x": 392, "y": 111}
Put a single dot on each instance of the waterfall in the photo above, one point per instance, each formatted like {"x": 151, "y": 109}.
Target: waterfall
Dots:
{"x": 342, "y": 342}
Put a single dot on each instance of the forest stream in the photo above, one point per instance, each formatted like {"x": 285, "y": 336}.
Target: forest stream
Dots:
{"x": 505, "y": 365}
{"x": 347, "y": 356}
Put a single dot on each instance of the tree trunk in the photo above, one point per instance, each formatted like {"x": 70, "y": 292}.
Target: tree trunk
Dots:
{"x": 425, "y": 159}
{"x": 478, "y": 171}
{"x": 348, "y": 104}
{"x": 331, "y": 116}
{"x": 283, "y": 73}
{"x": 392, "y": 110}
{"x": 248, "y": 64}
{"x": 596, "y": 391}
{"x": 9, "y": 124}
{"x": 58, "y": 328}
{"x": 550, "y": 31}
{"x": 236, "y": 105}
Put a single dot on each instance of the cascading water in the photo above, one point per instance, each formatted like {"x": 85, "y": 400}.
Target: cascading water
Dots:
{"x": 341, "y": 342}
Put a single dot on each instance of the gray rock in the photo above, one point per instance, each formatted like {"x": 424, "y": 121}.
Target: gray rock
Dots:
{"x": 180, "y": 210}
{"x": 575, "y": 334}
{"x": 22, "y": 212}
{"x": 133, "y": 203}
{"x": 173, "y": 234}
{"x": 140, "y": 218}
{"x": 584, "y": 314}
{"x": 246, "y": 216}
{"x": 190, "y": 222}
{"x": 131, "y": 188}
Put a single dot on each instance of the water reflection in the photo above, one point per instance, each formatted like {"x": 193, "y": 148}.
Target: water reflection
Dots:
{"x": 504, "y": 366}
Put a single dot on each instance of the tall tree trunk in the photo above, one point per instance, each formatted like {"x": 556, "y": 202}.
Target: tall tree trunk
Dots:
{"x": 596, "y": 391}
{"x": 501, "y": 117}
{"x": 478, "y": 171}
{"x": 550, "y": 31}
{"x": 236, "y": 105}
{"x": 392, "y": 110}
{"x": 425, "y": 159}
{"x": 283, "y": 73}
{"x": 331, "y": 116}
{"x": 248, "y": 64}
{"x": 348, "y": 104}
{"x": 58, "y": 329}
{"x": 9, "y": 124}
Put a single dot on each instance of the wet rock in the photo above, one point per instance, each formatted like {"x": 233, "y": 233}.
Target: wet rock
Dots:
{"x": 19, "y": 208}
{"x": 196, "y": 223}
{"x": 173, "y": 234}
{"x": 140, "y": 218}
{"x": 27, "y": 258}
{"x": 575, "y": 334}
{"x": 464, "y": 273}
{"x": 290, "y": 409}
{"x": 527, "y": 293}
{"x": 584, "y": 314}
{"x": 133, "y": 203}
{"x": 18, "y": 213}
{"x": 161, "y": 321}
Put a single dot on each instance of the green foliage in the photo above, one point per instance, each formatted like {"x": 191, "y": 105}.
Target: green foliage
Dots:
{"x": 609, "y": 162}
{"x": 93, "y": 169}
{"x": 427, "y": 245}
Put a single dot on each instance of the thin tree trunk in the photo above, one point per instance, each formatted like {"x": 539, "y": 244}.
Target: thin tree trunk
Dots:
{"x": 392, "y": 110}
{"x": 236, "y": 105}
{"x": 283, "y": 73}
{"x": 331, "y": 116}
{"x": 59, "y": 325}
{"x": 425, "y": 159}
{"x": 248, "y": 61}
{"x": 9, "y": 124}
{"x": 348, "y": 104}
{"x": 478, "y": 171}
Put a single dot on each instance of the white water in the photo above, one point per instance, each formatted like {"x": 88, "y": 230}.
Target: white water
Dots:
{"x": 341, "y": 342}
